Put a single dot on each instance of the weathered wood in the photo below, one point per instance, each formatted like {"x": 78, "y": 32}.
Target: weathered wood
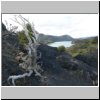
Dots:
{"x": 30, "y": 60}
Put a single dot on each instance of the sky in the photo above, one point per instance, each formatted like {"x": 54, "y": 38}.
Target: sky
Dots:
{"x": 75, "y": 25}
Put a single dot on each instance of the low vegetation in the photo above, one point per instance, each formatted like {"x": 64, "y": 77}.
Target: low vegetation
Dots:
{"x": 61, "y": 49}
{"x": 22, "y": 38}
{"x": 83, "y": 47}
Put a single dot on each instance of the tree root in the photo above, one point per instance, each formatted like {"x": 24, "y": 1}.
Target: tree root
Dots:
{"x": 15, "y": 77}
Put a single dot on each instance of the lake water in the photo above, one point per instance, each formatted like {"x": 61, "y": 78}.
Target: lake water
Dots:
{"x": 64, "y": 43}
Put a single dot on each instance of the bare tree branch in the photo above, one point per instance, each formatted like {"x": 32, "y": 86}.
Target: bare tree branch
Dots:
{"x": 29, "y": 63}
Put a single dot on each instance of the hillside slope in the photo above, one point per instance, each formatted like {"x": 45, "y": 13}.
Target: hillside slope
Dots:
{"x": 60, "y": 68}
{"x": 49, "y": 38}
{"x": 86, "y": 50}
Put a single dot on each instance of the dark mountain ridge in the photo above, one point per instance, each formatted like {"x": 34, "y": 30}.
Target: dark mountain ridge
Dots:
{"x": 49, "y": 38}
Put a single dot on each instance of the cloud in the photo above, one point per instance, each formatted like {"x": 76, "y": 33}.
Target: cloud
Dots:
{"x": 75, "y": 25}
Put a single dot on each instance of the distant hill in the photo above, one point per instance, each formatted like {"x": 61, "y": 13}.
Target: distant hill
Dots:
{"x": 86, "y": 39}
{"x": 49, "y": 38}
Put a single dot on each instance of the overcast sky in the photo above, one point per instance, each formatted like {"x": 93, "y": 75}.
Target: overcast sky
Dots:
{"x": 75, "y": 25}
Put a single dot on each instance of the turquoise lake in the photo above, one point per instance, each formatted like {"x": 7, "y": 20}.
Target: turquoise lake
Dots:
{"x": 64, "y": 43}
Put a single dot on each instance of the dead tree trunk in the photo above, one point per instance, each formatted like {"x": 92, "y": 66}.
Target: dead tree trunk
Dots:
{"x": 30, "y": 59}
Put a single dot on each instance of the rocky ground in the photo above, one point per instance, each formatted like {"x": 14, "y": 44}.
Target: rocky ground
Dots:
{"x": 61, "y": 69}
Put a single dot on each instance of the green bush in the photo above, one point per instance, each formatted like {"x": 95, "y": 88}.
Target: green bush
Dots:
{"x": 22, "y": 37}
{"x": 61, "y": 49}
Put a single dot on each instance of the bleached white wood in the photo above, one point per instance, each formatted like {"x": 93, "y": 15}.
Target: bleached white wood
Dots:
{"x": 30, "y": 60}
